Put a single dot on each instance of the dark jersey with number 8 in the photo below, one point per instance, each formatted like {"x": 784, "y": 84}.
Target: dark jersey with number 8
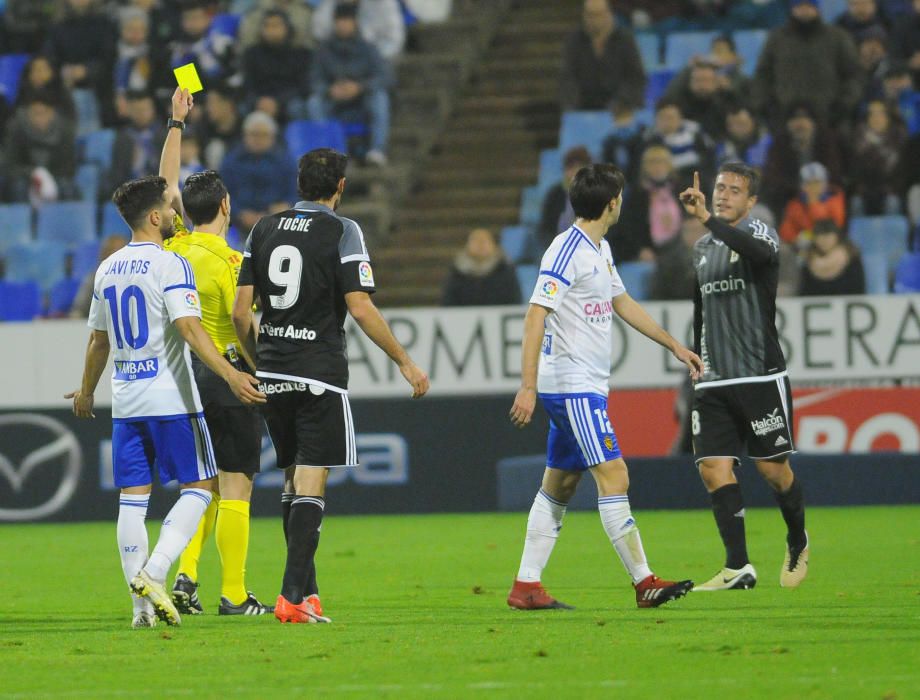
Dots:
{"x": 302, "y": 263}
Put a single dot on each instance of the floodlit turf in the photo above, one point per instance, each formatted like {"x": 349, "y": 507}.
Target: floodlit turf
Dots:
{"x": 418, "y": 605}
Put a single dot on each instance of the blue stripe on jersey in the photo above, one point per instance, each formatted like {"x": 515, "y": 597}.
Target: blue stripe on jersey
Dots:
{"x": 550, "y": 273}
{"x": 190, "y": 276}
{"x": 578, "y": 235}
{"x": 568, "y": 246}
{"x": 179, "y": 286}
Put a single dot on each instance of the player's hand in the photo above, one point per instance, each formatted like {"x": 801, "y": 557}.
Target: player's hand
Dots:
{"x": 182, "y": 102}
{"x": 692, "y": 360}
{"x": 524, "y": 403}
{"x": 82, "y": 404}
{"x": 244, "y": 387}
{"x": 694, "y": 200}
{"x": 417, "y": 378}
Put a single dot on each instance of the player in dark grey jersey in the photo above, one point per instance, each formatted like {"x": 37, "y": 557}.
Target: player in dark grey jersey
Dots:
{"x": 310, "y": 267}
{"x": 743, "y": 399}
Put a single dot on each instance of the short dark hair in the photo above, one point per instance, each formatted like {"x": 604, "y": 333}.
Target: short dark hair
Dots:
{"x": 201, "y": 196}
{"x": 666, "y": 102}
{"x": 319, "y": 172}
{"x": 135, "y": 198}
{"x": 137, "y": 95}
{"x": 592, "y": 189}
{"x": 746, "y": 171}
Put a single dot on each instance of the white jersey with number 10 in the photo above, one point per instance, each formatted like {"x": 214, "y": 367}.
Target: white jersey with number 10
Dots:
{"x": 138, "y": 293}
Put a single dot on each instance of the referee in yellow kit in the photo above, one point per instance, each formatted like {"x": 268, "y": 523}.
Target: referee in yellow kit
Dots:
{"x": 236, "y": 430}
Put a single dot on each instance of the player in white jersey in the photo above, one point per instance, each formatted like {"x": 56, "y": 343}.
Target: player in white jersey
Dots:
{"x": 146, "y": 305}
{"x": 567, "y": 334}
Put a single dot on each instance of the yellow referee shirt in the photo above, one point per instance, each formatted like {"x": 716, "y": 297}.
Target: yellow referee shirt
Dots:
{"x": 216, "y": 266}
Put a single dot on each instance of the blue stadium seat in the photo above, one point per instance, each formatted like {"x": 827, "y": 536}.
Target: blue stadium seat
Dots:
{"x": 909, "y": 104}
{"x": 87, "y": 180}
{"x": 875, "y": 268}
{"x": 19, "y": 301}
{"x": 588, "y": 129}
{"x": 15, "y": 225}
{"x": 832, "y": 9}
{"x": 85, "y": 258}
{"x": 680, "y": 47}
{"x": 649, "y": 49}
{"x": 302, "y": 136}
{"x": 907, "y": 274}
{"x": 11, "y": 66}
{"x": 112, "y": 221}
{"x": 531, "y": 205}
{"x": 61, "y": 296}
{"x": 226, "y": 24}
{"x": 234, "y": 240}
{"x": 41, "y": 262}
{"x": 527, "y": 279}
{"x": 97, "y": 148}
{"x": 637, "y": 278}
{"x": 749, "y": 43}
{"x": 657, "y": 83}
{"x": 515, "y": 242}
{"x": 66, "y": 223}
{"x": 881, "y": 235}
{"x": 550, "y": 168}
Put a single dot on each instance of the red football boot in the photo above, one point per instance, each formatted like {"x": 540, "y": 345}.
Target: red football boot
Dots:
{"x": 653, "y": 591}
{"x": 532, "y": 596}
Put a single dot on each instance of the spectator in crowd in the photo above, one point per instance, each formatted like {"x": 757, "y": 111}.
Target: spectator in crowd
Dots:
{"x": 817, "y": 200}
{"x": 380, "y": 23}
{"x": 873, "y": 58}
{"x": 40, "y": 76}
{"x": 482, "y": 275}
{"x": 84, "y": 297}
{"x": 221, "y": 128}
{"x": 189, "y": 156}
{"x": 832, "y": 264}
{"x": 260, "y": 174}
{"x": 211, "y": 52}
{"x": 896, "y": 81}
{"x": 82, "y": 45}
{"x": 698, "y": 93}
{"x": 274, "y": 69}
{"x": 860, "y": 18}
{"x": 622, "y": 142}
{"x": 136, "y": 151}
{"x": 349, "y": 80}
{"x": 140, "y": 66}
{"x": 41, "y": 157}
{"x": 879, "y": 141}
{"x": 808, "y": 61}
{"x": 908, "y": 180}
{"x": 163, "y": 18}
{"x": 802, "y": 141}
{"x": 25, "y": 24}
{"x": 906, "y": 41}
{"x": 745, "y": 140}
{"x": 299, "y": 16}
{"x": 601, "y": 63}
{"x": 691, "y": 149}
{"x": 557, "y": 214}
{"x": 675, "y": 277}
{"x": 651, "y": 211}
{"x": 732, "y": 79}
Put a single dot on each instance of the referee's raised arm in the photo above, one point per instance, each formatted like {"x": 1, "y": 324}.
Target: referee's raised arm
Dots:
{"x": 170, "y": 159}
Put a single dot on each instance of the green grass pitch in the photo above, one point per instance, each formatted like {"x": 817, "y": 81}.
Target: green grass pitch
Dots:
{"x": 418, "y": 604}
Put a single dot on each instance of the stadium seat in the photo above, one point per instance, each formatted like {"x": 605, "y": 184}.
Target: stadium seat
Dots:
{"x": 657, "y": 83}
{"x": 97, "y": 148}
{"x": 882, "y": 235}
{"x": 15, "y": 225}
{"x": 909, "y": 104}
{"x": 233, "y": 238}
{"x": 527, "y": 279}
{"x": 515, "y": 242}
{"x": 875, "y": 268}
{"x": 19, "y": 301}
{"x": 11, "y": 66}
{"x": 749, "y": 43}
{"x": 66, "y": 223}
{"x": 86, "y": 104}
{"x": 649, "y": 49}
{"x": 680, "y": 47}
{"x": 637, "y": 278}
{"x": 87, "y": 180}
{"x": 588, "y": 129}
{"x": 61, "y": 296}
{"x": 302, "y": 136}
{"x": 550, "y": 168}
{"x": 226, "y": 24}
{"x": 112, "y": 221}
{"x": 41, "y": 262}
{"x": 907, "y": 274}
{"x": 85, "y": 258}
{"x": 531, "y": 205}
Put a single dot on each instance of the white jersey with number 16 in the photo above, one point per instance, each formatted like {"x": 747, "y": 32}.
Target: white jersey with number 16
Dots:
{"x": 138, "y": 293}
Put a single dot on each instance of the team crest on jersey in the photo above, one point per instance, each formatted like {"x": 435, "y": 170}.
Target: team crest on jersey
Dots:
{"x": 365, "y": 274}
{"x": 610, "y": 267}
{"x": 608, "y": 442}
{"x": 191, "y": 300}
{"x": 550, "y": 289}
{"x": 733, "y": 258}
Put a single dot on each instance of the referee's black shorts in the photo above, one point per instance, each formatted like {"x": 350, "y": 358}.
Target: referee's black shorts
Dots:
{"x": 236, "y": 430}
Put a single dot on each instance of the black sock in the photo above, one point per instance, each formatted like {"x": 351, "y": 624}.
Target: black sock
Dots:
{"x": 728, "y": 509}
{"x": 286, "y": 500}
{"x": 792, "y": 505}
{"x": 306, "y": 517}
{"x": 312, "y": 588}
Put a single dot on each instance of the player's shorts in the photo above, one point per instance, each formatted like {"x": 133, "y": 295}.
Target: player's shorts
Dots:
{"x": 753, "y": 415}
{"x": 179, "y": 447}
{"x": 580, "y": 434}
{"x": 311, "y": 428}
{"x": 236, "y": 429}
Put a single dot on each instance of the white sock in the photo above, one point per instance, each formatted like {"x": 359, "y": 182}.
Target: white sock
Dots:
{"x": 178, "y": 527}
{"x": 132, "y": 536}
{"x": 543, "y": 525}
{"x": 620, "y": 527}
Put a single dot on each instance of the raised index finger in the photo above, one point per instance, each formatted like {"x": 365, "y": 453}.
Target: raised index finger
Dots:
{"x": 696, "y": 179}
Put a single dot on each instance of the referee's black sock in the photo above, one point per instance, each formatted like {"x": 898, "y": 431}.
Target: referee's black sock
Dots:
{"x": 792, "y": 504}
{"x": 305, "y": 519}
{"x": 728, "y": 509}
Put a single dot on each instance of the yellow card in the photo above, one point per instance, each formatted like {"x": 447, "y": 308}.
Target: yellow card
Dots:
{"x": 188, "y": 79}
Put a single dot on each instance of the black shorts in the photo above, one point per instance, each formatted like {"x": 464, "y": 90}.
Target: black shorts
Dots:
{"x": 236, "y": 430}
{"x": 311, "y": 428}
{"x": 756, "y": 415}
